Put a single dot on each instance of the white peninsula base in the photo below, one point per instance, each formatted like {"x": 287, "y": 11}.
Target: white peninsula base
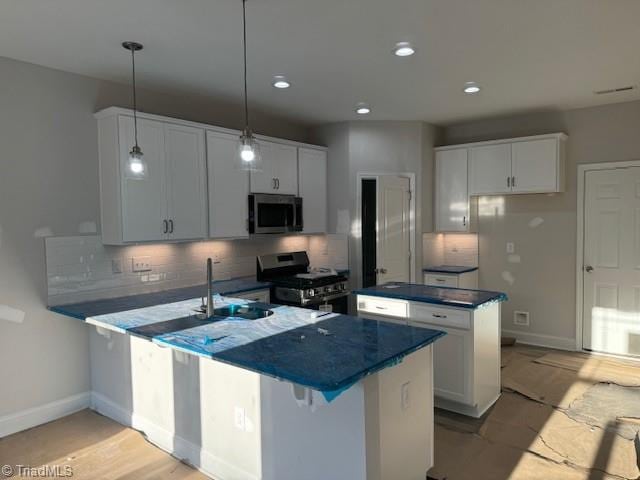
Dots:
{"x": 234, "y": 424}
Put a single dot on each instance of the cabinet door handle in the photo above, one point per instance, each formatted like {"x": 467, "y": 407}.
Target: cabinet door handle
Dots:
{"x": 277, "y": 184}
{"x": 509, "y": 182}
{"x": 513, "y": 181}
{"x": 171, "y": 226}
{"x": 273, "y": 182}
{"x": 437, "y": 315}
{"x": 165, "y": 224}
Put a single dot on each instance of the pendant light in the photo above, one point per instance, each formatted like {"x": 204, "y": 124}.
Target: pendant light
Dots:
{"x": 137, "y": 167}
{"x": 248, "y": 157}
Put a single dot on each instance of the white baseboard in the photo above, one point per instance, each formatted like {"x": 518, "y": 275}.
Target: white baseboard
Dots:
{"x": 539, "y": 340}
{"x": 177, "y": 446}
{"x": 32, "y": 417}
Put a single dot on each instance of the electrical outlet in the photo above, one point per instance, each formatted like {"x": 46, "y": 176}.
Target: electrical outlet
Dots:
{"x": 238, "y": 418}
{"x": 521, "y": 318}
{"x": 116, "y": 265}
{"x": 511, "y": 247}
{"x": 141, "y": 264}
{"x": 404, "y": 396}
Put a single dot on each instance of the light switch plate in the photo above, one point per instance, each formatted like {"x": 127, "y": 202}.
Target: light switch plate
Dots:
{"x": 116, "y": 265}
{"x": 238, "y": 418}
{"x": 141, "y": 264}
{"x": 511, "y": 247}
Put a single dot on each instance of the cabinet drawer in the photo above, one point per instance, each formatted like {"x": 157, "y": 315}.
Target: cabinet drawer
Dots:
{"x": 254, "y": 296}
{"x": 439, "y": 280}
{"x": 445, "y": 317}
{"x": 383, "y": 306}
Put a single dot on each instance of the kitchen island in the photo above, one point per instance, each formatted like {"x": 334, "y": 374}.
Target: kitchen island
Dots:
{"x": 467, "y": 361}
{"x": 297, "y": 394}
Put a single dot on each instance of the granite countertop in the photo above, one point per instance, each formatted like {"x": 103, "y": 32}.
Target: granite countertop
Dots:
{"x": 83, "y": 310}
{"x": 455, "y": 269}
{"x": 453, "y": 297}
{"x": 325, "y": 352}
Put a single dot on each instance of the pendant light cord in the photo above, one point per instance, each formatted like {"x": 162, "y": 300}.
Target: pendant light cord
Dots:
{"x": 135, "y": 104}
{"x": 244, "y": 46}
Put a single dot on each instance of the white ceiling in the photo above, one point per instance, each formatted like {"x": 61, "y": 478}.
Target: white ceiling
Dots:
{"x": 526, "y": 54}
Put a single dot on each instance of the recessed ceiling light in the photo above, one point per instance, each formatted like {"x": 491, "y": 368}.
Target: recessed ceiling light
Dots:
{"x": 363, "y": 109}
{"x": 404, "y": 49}
{"x": 471, "y": 88}
{"x": 280, "y": 81}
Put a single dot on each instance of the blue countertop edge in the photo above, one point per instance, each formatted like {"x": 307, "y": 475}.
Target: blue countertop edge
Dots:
{"x": 142, "y": 300}
{"x": 451, "y": 269}
{"x": 447, "y": 296}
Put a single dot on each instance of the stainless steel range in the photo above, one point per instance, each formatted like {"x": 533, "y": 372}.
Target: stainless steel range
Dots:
{"x": 295, "y": 285}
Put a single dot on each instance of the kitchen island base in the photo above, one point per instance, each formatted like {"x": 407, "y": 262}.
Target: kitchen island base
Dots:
{"x": 232, "y": 423}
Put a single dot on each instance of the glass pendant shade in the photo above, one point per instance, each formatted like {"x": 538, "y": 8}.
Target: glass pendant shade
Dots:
{"x": 248, "y": 156}
{"x": 137, "y": 165}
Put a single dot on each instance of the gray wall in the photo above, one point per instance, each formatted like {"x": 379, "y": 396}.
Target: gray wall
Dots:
{"x": 377, "y": 147}
{"x": 49, "y": 182}
{"x": 544, "y": 280}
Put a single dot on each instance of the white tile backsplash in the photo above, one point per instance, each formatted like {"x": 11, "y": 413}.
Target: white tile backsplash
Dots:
{"x": 79, "y": 268}
{"x": 450, "y": 249}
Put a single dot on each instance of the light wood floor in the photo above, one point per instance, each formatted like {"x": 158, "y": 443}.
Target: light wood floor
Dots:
{"x": 562, "y": 416}
{"x": 95, "y": 448}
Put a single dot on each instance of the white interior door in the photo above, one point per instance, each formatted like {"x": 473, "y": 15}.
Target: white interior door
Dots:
{"x": 393, "y": 246}
{"x": 611, "y": 272}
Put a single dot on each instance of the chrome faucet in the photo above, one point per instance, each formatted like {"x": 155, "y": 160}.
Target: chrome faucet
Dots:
{"x": 210, "y": 309}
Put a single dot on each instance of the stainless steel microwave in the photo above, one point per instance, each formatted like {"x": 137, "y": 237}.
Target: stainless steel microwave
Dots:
{"x": 274, "y": 213}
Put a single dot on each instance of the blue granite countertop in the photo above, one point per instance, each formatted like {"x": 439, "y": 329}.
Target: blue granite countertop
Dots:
{"x": 449, "y": 269}
{"x": 93, "y": 308}
{"x": 453, "y": 297}
{"x": 326, "y": 352}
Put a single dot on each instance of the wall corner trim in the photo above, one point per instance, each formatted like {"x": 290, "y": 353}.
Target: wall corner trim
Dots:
{"x": 32, "y": 417}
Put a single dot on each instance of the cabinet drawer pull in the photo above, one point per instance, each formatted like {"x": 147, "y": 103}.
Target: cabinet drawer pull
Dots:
{"x": 441, "y": 280}
{"x": 438, "y": 315}
{"x": 380, "y": 308}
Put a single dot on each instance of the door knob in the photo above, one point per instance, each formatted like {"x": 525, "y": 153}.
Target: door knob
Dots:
{"x": 588, "y": 268}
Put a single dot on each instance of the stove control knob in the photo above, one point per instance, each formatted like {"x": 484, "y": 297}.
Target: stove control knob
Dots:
{"x": 310, "y": 293}
{"x": 327, "y": 289}
{"x": 343, "y": 286}
{"x": 316, "y": 291}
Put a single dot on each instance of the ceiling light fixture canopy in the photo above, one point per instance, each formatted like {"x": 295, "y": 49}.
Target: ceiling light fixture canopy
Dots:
{"x": 363, "y": 109}
{"x": 137, "y": 165}
{"x": 248, "y": 157}
{"x": 404, "y": 49}
{"x": 471, "y": 88}
{"x": 280, "y": 81}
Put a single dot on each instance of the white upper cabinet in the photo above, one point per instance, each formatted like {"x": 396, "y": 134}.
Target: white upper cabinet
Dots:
{"x": 536, "y": 166}
{"x": 186, "y": 182}
{"x": 312, "y": 184}
{"x": 142, "y": 215}
{"x": 489, "y": 169}
{"x": 519, "y": 165}
{"x": 170, "y": 202}
{"x": 279, "y": 169}
{"x": 452, "y": 199}
{"x": 228, "y": 188}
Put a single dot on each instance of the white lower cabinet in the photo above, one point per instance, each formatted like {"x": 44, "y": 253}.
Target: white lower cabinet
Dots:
{"x": 466, "y": 360}
{"x": 255, "y": 296}
{"x": 452, "y": 280}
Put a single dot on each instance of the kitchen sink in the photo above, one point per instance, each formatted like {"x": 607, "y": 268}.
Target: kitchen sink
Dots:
{"x": 246, "y": 312}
